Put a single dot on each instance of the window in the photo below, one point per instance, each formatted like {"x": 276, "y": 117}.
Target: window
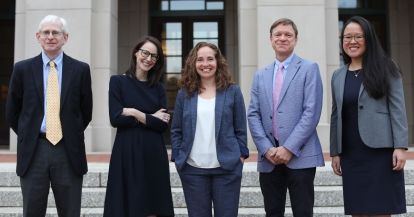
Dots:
{"x": 183, "y": 5}
{"x": 179, "y": 25}
{"x": 373, "y": 10}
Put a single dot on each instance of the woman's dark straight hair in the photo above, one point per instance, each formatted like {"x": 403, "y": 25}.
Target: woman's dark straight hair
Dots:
{"x": 377, "y": 67}
{"x": 155, "y": 74}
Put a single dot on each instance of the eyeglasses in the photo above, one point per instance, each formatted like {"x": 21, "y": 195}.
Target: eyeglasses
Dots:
{"x": 146, "y": 54}
{"x": 46, "y": 33}
{"x": 357, "y": 38}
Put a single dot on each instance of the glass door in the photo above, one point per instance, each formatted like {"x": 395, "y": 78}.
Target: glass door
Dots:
{"x": 178, "y": 37}
{"x": 7, "y": 28}
{"x": 179, "y": 25}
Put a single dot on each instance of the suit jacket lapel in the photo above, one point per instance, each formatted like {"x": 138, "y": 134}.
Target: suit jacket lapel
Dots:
{"x": 361, "y": 89}
{"x": 37, "y": 70}
{"x": 341, "y": 86}
{"x": 292, "y": 69}
{"x": 193, "y": 107}
{"x": 268, "y": 84}
{"x": 67, "y": 74}
{"x": 220, "y": 98}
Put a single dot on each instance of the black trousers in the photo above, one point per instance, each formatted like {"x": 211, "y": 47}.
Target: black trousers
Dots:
{"x": 50, "y": 168}
{"x": 274, "y": 186}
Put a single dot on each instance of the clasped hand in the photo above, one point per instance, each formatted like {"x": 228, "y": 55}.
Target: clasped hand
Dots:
{"x": 278, "y": 155}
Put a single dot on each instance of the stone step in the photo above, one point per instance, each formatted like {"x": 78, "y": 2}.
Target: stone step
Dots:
{"x": 182, "y": 212}
{"x": 328, "y": 192}
{"x": 98, "y": 174}
{"x": 329, "y": 196}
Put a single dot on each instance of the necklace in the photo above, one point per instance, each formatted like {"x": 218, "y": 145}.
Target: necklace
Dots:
{"x": 356, "y": 73}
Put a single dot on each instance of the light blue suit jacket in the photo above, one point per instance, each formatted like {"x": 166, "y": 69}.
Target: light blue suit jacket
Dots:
{"x": 298, "y": 114}
{"x": 230, "y": 129}
{"x": 382, "y": 123}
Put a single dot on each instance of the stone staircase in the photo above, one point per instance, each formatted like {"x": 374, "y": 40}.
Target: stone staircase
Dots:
{"x": 328, "y": 192}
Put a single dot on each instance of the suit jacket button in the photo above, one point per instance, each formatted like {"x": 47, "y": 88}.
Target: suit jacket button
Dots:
{"x": 361, "y": 107}
{"x": 271, "y": 117}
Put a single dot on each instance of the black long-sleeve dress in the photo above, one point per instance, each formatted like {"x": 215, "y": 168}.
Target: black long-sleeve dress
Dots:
{"x": 138, "y": 179}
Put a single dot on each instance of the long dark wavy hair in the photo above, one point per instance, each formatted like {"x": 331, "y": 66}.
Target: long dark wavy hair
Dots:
{"x": 191, "y": 81}
{"x": 155, "y": 74}
{"x": 377, "y": 67}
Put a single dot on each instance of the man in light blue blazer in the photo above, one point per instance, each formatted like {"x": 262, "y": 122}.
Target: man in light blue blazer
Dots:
{"x": 284, "y": 111}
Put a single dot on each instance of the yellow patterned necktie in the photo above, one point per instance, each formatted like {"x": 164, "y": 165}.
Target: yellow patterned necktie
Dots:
{"x": 53, "y": 126}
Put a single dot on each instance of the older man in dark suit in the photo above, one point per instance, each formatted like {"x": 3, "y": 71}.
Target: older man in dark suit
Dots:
{"x": 49, "y": 106}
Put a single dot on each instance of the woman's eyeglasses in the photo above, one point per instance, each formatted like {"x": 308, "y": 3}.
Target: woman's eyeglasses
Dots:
{"x": 357, "y": 38}
{"x": 146, "y": 54}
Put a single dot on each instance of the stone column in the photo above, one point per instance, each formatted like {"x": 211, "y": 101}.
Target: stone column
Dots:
{"x": 104, "y": 63}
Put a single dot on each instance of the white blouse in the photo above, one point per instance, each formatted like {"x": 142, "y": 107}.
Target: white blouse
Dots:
{"x": 203, "y": 153}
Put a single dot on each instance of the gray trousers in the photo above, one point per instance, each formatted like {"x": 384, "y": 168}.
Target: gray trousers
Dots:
{"x": 50, "y": 168}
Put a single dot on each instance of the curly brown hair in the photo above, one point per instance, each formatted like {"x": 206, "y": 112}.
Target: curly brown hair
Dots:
{"x": 191, "y": 81}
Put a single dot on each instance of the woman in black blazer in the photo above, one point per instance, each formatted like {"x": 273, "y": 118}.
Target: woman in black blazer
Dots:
{"x": 369, "y": 133}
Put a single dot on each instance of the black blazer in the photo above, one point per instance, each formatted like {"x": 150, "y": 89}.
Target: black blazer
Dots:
{"x": 25, "y": 110}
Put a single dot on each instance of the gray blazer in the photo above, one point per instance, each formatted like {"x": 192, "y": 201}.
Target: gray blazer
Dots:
{"x": 230, "y": 129}
{"x": 298, "y": 113}
{"x": 382, "y": 122}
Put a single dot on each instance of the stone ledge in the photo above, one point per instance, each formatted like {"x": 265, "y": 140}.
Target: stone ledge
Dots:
{"x": 182, "y": 212}
{"x": 325, "y": 196}
{"x": 104, "y": 157}
{"x": 98, "y": 175}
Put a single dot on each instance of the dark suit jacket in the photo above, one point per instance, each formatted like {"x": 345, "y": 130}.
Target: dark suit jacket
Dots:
{"x": 382, "y": 123}
{"x": 25, "y": 109}
{"x": 230, "y": 129}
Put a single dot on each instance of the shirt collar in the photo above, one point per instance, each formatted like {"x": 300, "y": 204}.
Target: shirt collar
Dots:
{"x": 57, "y": 60}
{"x": 285, "y": 63}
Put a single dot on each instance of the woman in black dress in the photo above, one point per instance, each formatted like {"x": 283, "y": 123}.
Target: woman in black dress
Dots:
{"x": 138, "y": 179}
{"x": 369, "y": 133}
